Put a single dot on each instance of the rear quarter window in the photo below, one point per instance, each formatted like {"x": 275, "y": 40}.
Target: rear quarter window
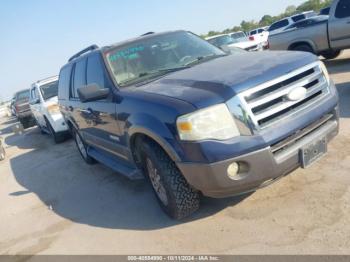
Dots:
{"x": 279, "y": 24}
{"x": 64, "y": 82}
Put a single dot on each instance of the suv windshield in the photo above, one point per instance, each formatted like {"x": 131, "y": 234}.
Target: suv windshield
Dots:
{"x": 49, "y": 90}
{"x": 23, "y": 95}
{"x": 154, "y": 56}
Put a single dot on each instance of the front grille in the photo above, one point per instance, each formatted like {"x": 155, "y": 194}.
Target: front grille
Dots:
{"x": 268, "y": 103}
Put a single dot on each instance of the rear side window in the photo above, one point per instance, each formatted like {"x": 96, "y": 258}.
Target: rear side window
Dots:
{"x": 279, "y": 24}
{"x": 94, "y": 71}
{"x": 64, "y": 82}
{"x": 79, "y": 78}
{"x": 298, "y": 18}
{"x": 253, "y": 32}
{"x": 343, "y": 9}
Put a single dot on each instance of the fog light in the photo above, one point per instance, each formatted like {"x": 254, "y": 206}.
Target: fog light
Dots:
{"x": 233, "y": 170}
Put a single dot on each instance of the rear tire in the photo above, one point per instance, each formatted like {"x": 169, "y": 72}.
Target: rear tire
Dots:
{"x": 331, "y": 54}
{"x": 25, "y": 122}
{"x": 303, "y": 48}
{"x": 176, "y": 197}
{"x": 82, "y": 148}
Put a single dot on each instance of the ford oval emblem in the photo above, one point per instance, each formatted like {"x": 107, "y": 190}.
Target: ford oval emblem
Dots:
{"x": 297, "y": 94}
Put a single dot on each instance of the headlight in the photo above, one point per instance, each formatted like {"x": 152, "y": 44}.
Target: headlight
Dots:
{"x": 214, "y": 122}
{"x": 53, "y": 109}
{"x": 325, "y": 72}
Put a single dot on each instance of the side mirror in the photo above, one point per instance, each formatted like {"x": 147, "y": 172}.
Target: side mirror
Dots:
{"x": 92, "y": 92}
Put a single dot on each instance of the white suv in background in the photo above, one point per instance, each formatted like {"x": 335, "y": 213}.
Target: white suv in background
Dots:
{"x": 44, "y": 105}
{"x": 280, "y": 25}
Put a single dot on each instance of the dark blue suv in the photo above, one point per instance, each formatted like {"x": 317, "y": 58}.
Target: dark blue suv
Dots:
{"x": 194, "y": 120}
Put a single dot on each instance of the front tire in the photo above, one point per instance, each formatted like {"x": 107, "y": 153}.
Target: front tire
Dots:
{"x": 176, "y": 197}
{"x": 331, "y": 54}
{"x": 82, "y": 148}
{"x": 57, "y": 138}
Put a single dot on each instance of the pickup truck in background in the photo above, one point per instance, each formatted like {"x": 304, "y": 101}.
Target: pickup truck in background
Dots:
{"x": 22, "y": 108}
{"x": 261, "y": 36}
{"x": 322, "y": 35}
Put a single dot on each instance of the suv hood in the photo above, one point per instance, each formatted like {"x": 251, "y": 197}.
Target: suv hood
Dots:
{"x": 218, "y": 80}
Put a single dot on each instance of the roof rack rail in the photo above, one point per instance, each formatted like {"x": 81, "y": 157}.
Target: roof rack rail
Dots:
{"x": 148, "y": 33}
{"x": 89, "y": 48}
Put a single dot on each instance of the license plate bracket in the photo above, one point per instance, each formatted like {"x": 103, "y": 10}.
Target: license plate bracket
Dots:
{"x": 313, "y": 152}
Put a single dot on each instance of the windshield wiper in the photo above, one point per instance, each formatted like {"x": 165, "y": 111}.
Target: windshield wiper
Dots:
{"x": 155, "y": 73}
{"x": 204, "y": 58}
{"x": 164, "y": 70}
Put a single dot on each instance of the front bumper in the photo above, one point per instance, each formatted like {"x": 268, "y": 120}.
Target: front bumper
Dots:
{"x": 58, "y": 123}
{"x": 264, "y": 166}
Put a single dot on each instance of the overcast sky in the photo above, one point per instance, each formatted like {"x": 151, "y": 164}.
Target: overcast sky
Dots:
{"x": 38, "y": 36}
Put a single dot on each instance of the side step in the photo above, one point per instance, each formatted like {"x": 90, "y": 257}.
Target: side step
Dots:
{"x": 129, "y": 172}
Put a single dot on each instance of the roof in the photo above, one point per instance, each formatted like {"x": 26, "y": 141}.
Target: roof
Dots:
{"x": 45, "y": 80}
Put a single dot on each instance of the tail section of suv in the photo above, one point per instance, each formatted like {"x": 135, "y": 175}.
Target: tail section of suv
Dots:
{"x": 195, "y": 120}
{"x": 44, "y": 105}
{"x": 22, "y": 108}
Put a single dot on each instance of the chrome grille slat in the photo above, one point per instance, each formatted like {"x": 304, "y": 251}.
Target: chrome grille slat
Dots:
{"x": 284, "y": 105}
{"x": 268, "y": 103}
{"x": 271, "y": 96}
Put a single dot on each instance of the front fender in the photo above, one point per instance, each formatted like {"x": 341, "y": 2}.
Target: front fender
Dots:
{"x": 160, "y": 132}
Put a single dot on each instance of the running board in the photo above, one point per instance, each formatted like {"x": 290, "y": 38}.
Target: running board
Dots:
{"x": 129, "y": 172}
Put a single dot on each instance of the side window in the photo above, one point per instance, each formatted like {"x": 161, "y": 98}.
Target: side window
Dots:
{"x": 79, "y": 78}
{"x": 94, "y": 71}
{"x": 343, "y": 9}
{"x": 64, "y": 82}
{"x": 279, "y": 24}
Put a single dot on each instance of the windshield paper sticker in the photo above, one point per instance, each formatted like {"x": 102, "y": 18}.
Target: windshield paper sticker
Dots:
{"x": 130, "y": 53}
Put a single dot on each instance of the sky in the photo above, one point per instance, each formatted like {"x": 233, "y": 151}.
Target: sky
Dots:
{"x": 38, "y": 36}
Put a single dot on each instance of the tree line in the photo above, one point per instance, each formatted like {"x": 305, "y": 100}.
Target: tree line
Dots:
{"x": 267, "y": 20}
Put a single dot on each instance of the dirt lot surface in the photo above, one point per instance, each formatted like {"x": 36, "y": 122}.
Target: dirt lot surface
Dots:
{"x": 52, "y": 203}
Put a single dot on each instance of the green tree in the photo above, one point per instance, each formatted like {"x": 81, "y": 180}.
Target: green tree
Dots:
{"x": 266, "y": 20}
{"x": 290, "y": 10}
